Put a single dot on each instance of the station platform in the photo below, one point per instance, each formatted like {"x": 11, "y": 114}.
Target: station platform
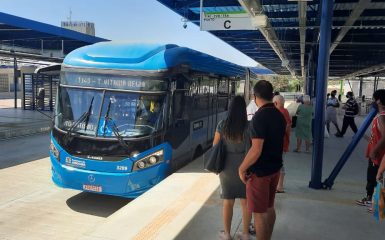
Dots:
{"x": 16, "y": 122}
{"x": 187, "y": 204}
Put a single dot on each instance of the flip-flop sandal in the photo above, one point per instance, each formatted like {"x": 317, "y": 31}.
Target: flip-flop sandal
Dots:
{"x": 251, "y": 229}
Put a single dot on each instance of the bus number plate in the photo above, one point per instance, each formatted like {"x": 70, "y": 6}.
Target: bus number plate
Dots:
{"x": 92, "y": 188}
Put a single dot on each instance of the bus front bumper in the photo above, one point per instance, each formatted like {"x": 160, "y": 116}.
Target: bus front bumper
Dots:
{"x": 129, "y": 185}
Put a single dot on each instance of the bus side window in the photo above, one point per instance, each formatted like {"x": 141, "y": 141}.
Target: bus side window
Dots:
{"x": 180, "y": 114}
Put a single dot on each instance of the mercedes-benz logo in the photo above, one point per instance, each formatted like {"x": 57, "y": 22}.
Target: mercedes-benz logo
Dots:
{"x": 91, "y": 178}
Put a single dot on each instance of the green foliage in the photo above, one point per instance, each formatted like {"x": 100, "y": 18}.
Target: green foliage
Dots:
{"x": 285, "y": 83}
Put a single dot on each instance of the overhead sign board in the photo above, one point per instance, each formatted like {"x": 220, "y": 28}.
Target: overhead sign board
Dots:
{"x": 226, "y": 21}
{"x": 231, "y": 21}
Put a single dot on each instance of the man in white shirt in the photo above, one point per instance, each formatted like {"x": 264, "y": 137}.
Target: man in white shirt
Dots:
{"x": 251, "y": 109}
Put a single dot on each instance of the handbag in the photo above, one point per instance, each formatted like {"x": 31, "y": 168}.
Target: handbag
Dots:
{"x": 379, "y": 201}
{"x": 214, "y": 158}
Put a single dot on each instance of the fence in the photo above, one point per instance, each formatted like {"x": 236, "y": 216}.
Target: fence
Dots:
{"x": 39, "y": 91}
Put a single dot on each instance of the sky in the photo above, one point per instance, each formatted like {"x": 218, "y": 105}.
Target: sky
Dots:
{"x": 129, "y": 21}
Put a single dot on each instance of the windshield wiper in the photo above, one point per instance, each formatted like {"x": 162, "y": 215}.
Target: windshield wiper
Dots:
{"x": 88, "y": 114}
{"x": 84, "y": 117}
{"x": 115, "y": 129}
{"x": 106, "y": 117}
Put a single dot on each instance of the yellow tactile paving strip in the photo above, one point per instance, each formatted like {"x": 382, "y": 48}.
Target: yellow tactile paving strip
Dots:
{"x": 199, "y": 192}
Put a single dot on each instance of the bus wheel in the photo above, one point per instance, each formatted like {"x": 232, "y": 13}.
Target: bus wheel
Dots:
{"x": 198, "y": 152}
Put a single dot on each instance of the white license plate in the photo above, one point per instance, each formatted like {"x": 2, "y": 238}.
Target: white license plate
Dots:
{"x": 92, "y": 188}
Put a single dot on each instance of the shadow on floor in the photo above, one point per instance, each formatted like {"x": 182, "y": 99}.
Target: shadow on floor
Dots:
{"x": 96, "y": 204}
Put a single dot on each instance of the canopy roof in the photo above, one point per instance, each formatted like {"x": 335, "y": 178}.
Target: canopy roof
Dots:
{"x": 292, "y": 32}
{"x": 34, "y": 40}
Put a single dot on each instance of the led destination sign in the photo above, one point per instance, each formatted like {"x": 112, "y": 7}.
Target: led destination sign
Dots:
{"x": 112, "y": 82}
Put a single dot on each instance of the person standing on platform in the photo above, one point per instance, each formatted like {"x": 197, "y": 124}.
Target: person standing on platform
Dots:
{"x": 279, "y": 103}
{"x": 251, "y": 109}
{"x": 234, "y": 132}
{"x": 331, "y": 113}
{"x": 351, "y": 110}
{"x": 303, "y": 128}
{"x": 261, "y": 166}
{"x": 376, "y": 148}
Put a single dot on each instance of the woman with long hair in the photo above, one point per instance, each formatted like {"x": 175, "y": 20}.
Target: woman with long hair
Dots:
{"x": 234, "y": 132}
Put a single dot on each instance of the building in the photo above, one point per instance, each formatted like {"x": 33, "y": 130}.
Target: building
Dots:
{"x": 80, "y": 26}
{"x": 7, "y": 77}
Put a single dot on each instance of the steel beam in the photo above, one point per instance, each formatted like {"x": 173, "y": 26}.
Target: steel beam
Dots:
{"x": 302, "y": 7}
{"x": 354, "y": 15}
{"x": 365, "y": 71}
{"x": 254, "y": 7}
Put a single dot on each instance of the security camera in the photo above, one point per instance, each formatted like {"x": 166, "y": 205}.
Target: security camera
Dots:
{"x": 184, "y": 25}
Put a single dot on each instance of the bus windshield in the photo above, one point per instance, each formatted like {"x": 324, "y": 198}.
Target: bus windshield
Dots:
{"x": 130, "y": 114}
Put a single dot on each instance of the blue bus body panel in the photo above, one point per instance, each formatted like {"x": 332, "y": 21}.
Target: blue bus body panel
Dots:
{"x": 148, "y": 57}
{"x": 74, "y": 173}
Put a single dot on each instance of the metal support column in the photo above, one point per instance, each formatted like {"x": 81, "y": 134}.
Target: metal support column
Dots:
{"x": 62, "y": 48}
{"x": 314, "y": 72}
{"x": 360, "y": 88}
{"x": 247, "y": 87}
{"x": 15, "y": 73}
{"x": 308, "y": 77}
{"x": 322, "y": 77}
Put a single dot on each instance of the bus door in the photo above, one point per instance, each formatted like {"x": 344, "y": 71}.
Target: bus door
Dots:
{"x": 179, "y": 132}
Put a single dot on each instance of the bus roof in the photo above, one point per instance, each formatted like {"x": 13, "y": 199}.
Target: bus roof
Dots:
{"x": 148, "y": 57}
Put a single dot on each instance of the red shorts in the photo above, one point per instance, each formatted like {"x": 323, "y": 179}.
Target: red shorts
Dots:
{"x": 260, "y": 192}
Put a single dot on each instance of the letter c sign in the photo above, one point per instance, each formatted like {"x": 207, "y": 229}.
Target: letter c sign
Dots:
{"x": 226, "y": 24}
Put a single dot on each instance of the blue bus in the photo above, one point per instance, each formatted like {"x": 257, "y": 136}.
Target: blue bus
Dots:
{"x": 128, "y": 115}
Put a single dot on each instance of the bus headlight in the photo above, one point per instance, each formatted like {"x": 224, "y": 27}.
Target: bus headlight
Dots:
{"x": 54, "y": 151}
{"x": 149, "y": 161}
{"x": 141, "y": 164}
{"x": 152, "y": 160}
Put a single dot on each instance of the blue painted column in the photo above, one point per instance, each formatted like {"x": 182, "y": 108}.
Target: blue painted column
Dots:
{"x": 321, "y": 82}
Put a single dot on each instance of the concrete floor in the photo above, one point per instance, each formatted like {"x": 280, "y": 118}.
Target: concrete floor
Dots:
{"x": 184, "y": 206}
{"x": 302, "y": 213}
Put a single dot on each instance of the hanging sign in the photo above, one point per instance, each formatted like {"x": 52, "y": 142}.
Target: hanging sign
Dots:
{"x": 226, "y": 21}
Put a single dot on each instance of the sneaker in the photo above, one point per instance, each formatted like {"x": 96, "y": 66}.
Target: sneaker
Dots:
{"x": 366, "y": 201}
{"x": 251, "y": 229}
{"x": 223, "y": 236}
{"x": 242, "y": 236}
